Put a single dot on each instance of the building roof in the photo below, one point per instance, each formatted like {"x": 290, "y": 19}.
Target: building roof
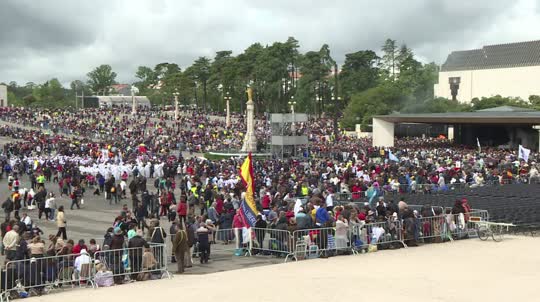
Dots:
{"x": 119, "y": 99}
{"x": 498, "y": 115}
{"x": 121, "y": 89}
{"x": 509, "y": 55}
{"x": 507, "y": 109}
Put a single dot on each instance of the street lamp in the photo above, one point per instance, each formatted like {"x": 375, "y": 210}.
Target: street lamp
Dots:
{"x": 134, "y": 90}
{"x": 318, "y": 98}
{"x": 228, "y": 117}
{"x": 176, "y": 94}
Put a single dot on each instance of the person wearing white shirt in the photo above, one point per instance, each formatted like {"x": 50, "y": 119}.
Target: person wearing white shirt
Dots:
{"x": 330, "y": 201}
{"x": 84, "y": 258}
{"x": 48, "y": 205}
{"x": 376, "y": 234}
{"x": 26, "y": 220}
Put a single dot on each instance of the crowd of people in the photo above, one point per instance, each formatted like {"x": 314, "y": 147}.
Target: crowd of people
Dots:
{"x": 137, "y": 161}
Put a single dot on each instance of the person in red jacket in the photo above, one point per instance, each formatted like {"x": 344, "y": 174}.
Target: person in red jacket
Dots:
{"x": 467, "y": 208}
{"x": 266, "y": 201}
{"x": 219, "y": 205}
{"x": 182, "y": 210}
{"x": 238, "y": 225}
{"x": 79, "y": 247}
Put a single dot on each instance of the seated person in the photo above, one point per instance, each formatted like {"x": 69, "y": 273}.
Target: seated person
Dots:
{"x": 82, "y": 259}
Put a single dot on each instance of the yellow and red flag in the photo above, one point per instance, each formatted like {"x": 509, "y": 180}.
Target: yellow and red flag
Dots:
{"x": 248, "y": 206}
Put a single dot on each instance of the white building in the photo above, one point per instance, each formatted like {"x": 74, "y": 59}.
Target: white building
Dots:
{"x": 116, "y": 100}
{"x": 508, "y": 70}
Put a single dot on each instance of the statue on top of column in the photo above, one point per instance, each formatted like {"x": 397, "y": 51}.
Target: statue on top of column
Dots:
{"x": 250, "y": 93}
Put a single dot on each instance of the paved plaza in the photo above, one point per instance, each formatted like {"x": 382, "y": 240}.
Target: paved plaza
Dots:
{"x": 97, "y": 215}
{"x": 465, "y": 270}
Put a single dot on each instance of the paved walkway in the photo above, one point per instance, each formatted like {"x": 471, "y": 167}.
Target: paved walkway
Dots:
{"x": 96, "y": 216}
{"x": 465, "y": 271}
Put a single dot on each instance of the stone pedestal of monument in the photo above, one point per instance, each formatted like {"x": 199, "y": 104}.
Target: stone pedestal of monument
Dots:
{"x": 250, "y": 141}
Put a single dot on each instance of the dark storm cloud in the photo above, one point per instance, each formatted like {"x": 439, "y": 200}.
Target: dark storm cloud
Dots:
{"x": 41, "y": 25}
{"x": 66, "y": 39}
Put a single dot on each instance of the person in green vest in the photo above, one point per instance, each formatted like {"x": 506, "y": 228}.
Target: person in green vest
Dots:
{"x": 41, "y": 181}
{"x": 194, "y": 191}
{"x": 305, "y": 189}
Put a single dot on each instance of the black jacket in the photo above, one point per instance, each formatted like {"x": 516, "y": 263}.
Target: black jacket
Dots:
{"x": 136, "y": 242}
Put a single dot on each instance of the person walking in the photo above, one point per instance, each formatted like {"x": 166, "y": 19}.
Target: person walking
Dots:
{"x": 61, "y": 223}
{"x": 50, "y": 207}
{"x": 180, "y": 246}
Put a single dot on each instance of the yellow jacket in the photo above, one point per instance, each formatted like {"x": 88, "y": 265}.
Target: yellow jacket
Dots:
{"x": 60, "y": 220}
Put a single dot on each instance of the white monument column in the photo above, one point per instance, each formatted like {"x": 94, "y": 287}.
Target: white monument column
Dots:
{"x": 134, "y": 90}
{"x": 228, "y": 109}
{"x": 537, "y": 128}
{"x": 250, "y": 141}
{"x": 451, "y": 133}
{"x": 3, "y": 96}
{"x": 176, "y": 113}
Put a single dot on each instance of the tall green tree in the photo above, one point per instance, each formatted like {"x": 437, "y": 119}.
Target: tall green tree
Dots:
{"x": 497, "y": 101}
{"x": 222, "y": 78}
{"x": 147, "y": 79}
{"x": 315, "y": 85}
{"x": 201, "y": 70}
{"x": 389, "y": 60}
{"x": 381, "y": 99}
{"x": 101, "y": 79}
{"x": 360, "y": 71}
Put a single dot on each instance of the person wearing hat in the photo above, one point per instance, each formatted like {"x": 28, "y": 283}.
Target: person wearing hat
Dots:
{"x": 82, "y": 260}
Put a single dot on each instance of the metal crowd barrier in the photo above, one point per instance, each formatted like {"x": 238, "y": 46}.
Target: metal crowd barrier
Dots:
{"x": 432, "y": 229}
{"x": 268, "y": 241}
{"x": 129, "y": 264}
{"x": 446, "y": 227}
{"x": 387, "y": 234}
{"x": 313, "y": 243}
{"x": 39, "y": 275}
{"x": 232, "y": 241}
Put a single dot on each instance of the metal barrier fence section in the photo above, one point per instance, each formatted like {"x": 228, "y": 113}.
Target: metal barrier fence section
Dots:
{"x": 271, "y": 242}
{"x": 432, "y": 229}
{"x": 387, "y": 234}
{"x": 229, "y": 241}
{"x": 39, "y": 275}
{"x": 318, "y": 242}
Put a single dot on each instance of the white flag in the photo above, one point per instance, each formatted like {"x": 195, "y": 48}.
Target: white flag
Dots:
{"x": 478, "y": 143}
{"x": 524, "y": 153}
{"x": 392, "y": 157}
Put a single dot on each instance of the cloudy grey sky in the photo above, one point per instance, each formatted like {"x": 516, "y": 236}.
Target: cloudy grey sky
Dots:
{"x": 67, "y": 38}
